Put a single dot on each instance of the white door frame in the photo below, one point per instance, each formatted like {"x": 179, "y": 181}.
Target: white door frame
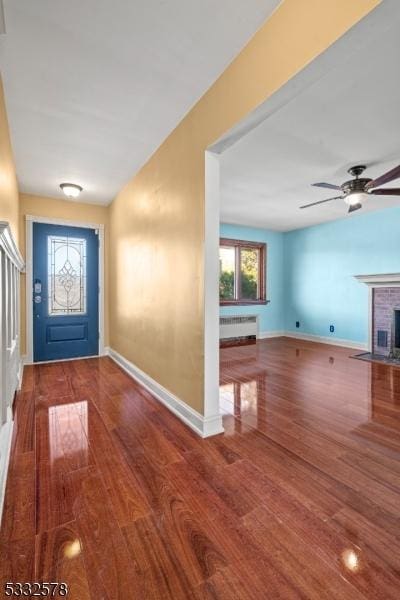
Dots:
{"x": 29, "y": 276}
{"x": 212, "y": 416}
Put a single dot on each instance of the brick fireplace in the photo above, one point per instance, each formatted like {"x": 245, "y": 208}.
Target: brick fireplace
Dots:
{"x": 386, "y": 321}
{"x": 384, "y": 313}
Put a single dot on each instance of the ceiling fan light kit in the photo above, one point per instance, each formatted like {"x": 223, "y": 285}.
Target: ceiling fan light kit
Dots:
{"x": 356, "y": 191}
{"x": 355, "y": 198}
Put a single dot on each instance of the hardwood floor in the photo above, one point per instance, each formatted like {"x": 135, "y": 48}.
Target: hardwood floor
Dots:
{"x": 300, "y": 498}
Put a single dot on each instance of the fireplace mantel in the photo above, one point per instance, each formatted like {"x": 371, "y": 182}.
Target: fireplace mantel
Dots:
{"x": 380, "y": 280}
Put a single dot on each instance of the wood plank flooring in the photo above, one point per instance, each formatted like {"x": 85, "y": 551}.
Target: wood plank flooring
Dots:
{"x": 300, "y": 498}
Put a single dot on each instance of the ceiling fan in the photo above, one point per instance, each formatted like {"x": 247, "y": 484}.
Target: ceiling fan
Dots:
{"x": 355, "y": 191}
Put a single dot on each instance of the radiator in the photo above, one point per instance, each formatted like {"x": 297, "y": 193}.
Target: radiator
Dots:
{"x": 236, "y": 326}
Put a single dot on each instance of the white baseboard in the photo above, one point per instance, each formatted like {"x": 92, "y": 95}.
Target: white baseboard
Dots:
{"x": 263, "y": 335}
{"x": 203, "y": 426}
{"x": 327, "y": 340}
{"x": 5, "y": 449}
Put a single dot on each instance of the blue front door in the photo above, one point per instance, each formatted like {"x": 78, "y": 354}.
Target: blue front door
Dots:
{"x": 65, "y": 292}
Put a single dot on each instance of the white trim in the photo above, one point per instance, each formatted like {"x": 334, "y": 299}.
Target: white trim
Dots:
{"x": 66, "y": 222}
{"x": 101, "y": 290}
{"x": 29, "y": 275}
{"x": 380, "y": 280}
{"x": 204, "y": 426}
{"x": 327, "y": 340}
{"x": 9, "y": 246}
{"x": 11, "y": 265}
{"x": 370, "y": 316}
{"x": 6, "y": 432}
{"x": 29, "y": 291}
{"x": 263, "y": 335}
{"x": 211, "y": 295}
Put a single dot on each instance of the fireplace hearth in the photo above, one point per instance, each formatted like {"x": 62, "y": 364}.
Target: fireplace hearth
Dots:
{"x": 377, "y": 358}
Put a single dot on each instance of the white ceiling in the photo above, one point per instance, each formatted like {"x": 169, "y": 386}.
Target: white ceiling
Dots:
{"x": 349, "y": 116}
{"x": 93, "y": 87}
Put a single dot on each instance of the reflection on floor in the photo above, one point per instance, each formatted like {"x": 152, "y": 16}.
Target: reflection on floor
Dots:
{"x": 300, "y": 498}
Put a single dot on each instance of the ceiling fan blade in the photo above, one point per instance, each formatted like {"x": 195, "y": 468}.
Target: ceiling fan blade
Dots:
{"x": 385, "y": 178}
{"x": 321, "y": 201}
{"x": 330, "y": 186}
{"x": 386, "y": 192}
{"x": 354, "y": 207}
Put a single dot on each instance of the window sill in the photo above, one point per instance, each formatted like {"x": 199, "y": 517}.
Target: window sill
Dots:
{"x": 243, "y": 302}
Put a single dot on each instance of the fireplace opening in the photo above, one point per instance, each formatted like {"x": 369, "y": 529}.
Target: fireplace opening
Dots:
{"x": 396, "y": 333}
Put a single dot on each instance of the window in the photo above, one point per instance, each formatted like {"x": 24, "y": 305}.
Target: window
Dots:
{"x": 242, "y": 272}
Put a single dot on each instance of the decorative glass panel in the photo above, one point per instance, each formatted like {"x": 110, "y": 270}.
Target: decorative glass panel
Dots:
{"x": 226, "y": 273}
{"x": 66, "y": 275}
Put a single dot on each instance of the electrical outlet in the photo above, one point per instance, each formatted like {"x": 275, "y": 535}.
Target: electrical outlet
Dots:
{"x": 331, "y": 328}
{"x": 297, "y": 324}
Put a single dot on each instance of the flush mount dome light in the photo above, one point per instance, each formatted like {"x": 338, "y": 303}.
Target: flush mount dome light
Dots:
{"x": 71, "y": 190}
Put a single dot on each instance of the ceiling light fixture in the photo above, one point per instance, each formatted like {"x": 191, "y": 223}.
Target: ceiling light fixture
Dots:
{"x": 355, "y": 198}
{"x": 71, "y": 190}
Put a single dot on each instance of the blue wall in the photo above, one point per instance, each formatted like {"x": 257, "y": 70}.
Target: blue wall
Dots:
{"x": 272, "y": 315}
{"x": 320, "y": 262}
{"x": 310, "y": 273}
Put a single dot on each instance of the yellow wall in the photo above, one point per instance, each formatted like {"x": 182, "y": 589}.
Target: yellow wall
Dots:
{"x": 157, "y": 220}
{"x": 8, "y": 179}
{"x": 39, "y": 206}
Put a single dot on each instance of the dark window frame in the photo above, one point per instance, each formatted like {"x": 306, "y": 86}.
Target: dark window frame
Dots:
{"x": 262, "y": 263}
